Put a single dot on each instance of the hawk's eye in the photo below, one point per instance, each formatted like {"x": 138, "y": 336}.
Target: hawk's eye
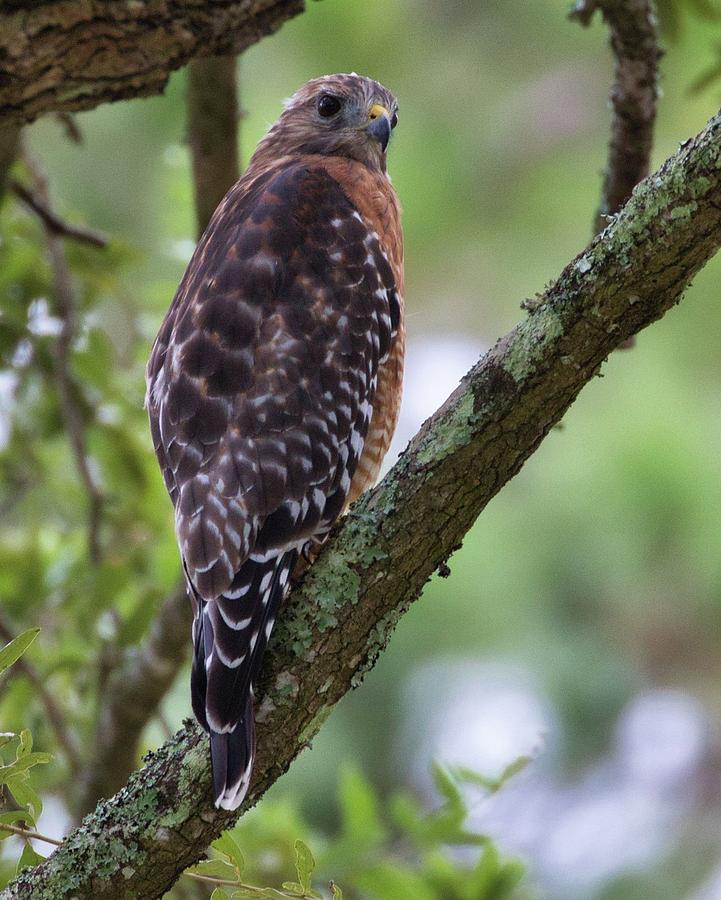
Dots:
{"x": 328, "y": 105}
{"x": 394, "y": 120}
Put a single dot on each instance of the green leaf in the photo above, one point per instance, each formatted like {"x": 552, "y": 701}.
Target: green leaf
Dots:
{"x": 492, "y": 785}
{"x": 444, "y": 825}
{"x": 486, "y": 872}
{"x": 23, "y": 764}
{"x": 24, "y": 794}
{"x": 12, "y": 652}
{"x": 28, "y": 858}
{"x": 219, "y": 894}
{"x": 396, "y": 881}
{"x": 493, "y": 876}
{"x": 6, "y": 737}
{"x": 407, "y": 813}
{"x": 16, "y": 815}
{"x": 293, "y": 887}
{"x": 33, "y": 759}
{"x": 10, "y": 818}
{"x": 359, "y": 809}
{"x": 304, "y": 864}
{"x": 26, "y": 743}
{"x": 228, "y": 846}
{"x": 508, "y": 879}
{"x": 513, "y": 768}
{"x": 446, "y": 784}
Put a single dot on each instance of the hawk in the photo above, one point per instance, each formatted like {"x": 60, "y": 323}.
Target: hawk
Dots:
{"x": 274, "y": 383}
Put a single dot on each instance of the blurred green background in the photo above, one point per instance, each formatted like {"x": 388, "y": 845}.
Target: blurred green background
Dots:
{"x": 582, "y": 621}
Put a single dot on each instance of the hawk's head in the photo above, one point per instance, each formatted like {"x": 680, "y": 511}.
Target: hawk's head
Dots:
{"x": 336, "y": 115}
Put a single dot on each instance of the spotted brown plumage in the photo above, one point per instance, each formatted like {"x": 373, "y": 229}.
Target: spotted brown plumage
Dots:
{"x": 274, "y": 383}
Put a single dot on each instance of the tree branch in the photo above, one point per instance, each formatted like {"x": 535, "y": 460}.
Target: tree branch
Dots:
{"x": 377, "y": 561}
{"x": 212, "y": 109}
{"x": 52, "y": 220}
{"x": 60, "y": 55}
{"x": 634, "y": 41}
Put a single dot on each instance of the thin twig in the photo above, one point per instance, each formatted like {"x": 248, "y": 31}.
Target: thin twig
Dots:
{"x": 70, "y": 124}
{"x": 52, "y": 220}
{"x": 240, "y": 885}
{"x": 30, "y": 835}
{"x": 71, "y": 415}
{"x": 227, "y": 882}
{"x": 56, "y": 718}
{"x": 634, "y": 41}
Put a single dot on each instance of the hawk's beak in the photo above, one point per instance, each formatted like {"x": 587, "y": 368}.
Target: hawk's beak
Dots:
{"x": 379, "y": 124}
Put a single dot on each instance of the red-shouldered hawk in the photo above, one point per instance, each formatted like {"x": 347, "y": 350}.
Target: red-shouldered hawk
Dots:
{"x": 274, "y": 383}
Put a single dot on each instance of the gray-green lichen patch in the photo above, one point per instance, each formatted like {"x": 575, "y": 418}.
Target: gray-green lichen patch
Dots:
{"x": 334, "y": 582}
{"x": 700, "y": 187}
{"x": 583, "y": 265}
{"x": 286, "y": 687}
{"x": 684, "y": 211}
{"x": 664, "y": 201}
{"x": 450, "y": 433}
{"x": 531, "y": 343}
{"x": 314, "y": 726}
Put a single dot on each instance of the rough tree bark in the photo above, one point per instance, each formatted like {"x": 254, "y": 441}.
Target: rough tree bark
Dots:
{"x": 63, "y": 55}
{"x": 634, "y": 42}
{"x": 378, "y": 559}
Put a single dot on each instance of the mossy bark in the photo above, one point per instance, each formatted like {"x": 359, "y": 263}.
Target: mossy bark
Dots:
{"x": 338, "y": 621}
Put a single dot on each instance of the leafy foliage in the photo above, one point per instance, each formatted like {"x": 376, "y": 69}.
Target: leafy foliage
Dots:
{"x": 21, "y": 804}
{"x": 12, "y": 652}
{"x": 90, "y": 609}
{"x": 395, "y": 849}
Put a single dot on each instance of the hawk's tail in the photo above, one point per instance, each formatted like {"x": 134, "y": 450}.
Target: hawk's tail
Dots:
{"x": 232, "y": 756}
{"x": 230, "y": 635}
